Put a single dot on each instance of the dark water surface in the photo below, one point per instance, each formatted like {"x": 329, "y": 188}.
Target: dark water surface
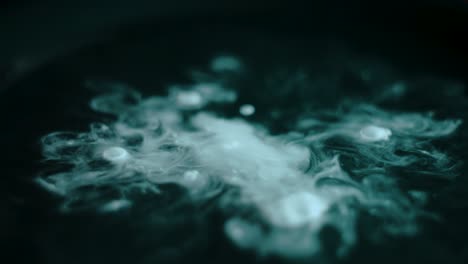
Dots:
{"x": 152, "y": 56}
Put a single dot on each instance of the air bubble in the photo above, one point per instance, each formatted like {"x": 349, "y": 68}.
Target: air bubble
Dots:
{"x": 189, "y": 100}
{"x": 373, "y": 133}
{"x": 115, "y": 154}
{"x": 247, "y": 110}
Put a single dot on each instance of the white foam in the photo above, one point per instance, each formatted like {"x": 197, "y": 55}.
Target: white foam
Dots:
{"x": 373, "y": 133}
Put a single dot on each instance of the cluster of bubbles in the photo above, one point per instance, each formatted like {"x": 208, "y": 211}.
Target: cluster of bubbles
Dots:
{"x": 330, "y": 167}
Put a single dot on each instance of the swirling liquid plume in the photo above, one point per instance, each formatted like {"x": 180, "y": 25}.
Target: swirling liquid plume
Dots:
{"x": 294, "y": 184}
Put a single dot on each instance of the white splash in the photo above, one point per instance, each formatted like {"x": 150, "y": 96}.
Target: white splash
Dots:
{"x": 292, "y": 184}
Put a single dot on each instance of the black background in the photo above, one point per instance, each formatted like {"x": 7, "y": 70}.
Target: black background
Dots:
{"x": 48, "y": 48}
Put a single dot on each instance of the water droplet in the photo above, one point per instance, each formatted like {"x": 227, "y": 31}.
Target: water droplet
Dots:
{"x": 247, "y": 110}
